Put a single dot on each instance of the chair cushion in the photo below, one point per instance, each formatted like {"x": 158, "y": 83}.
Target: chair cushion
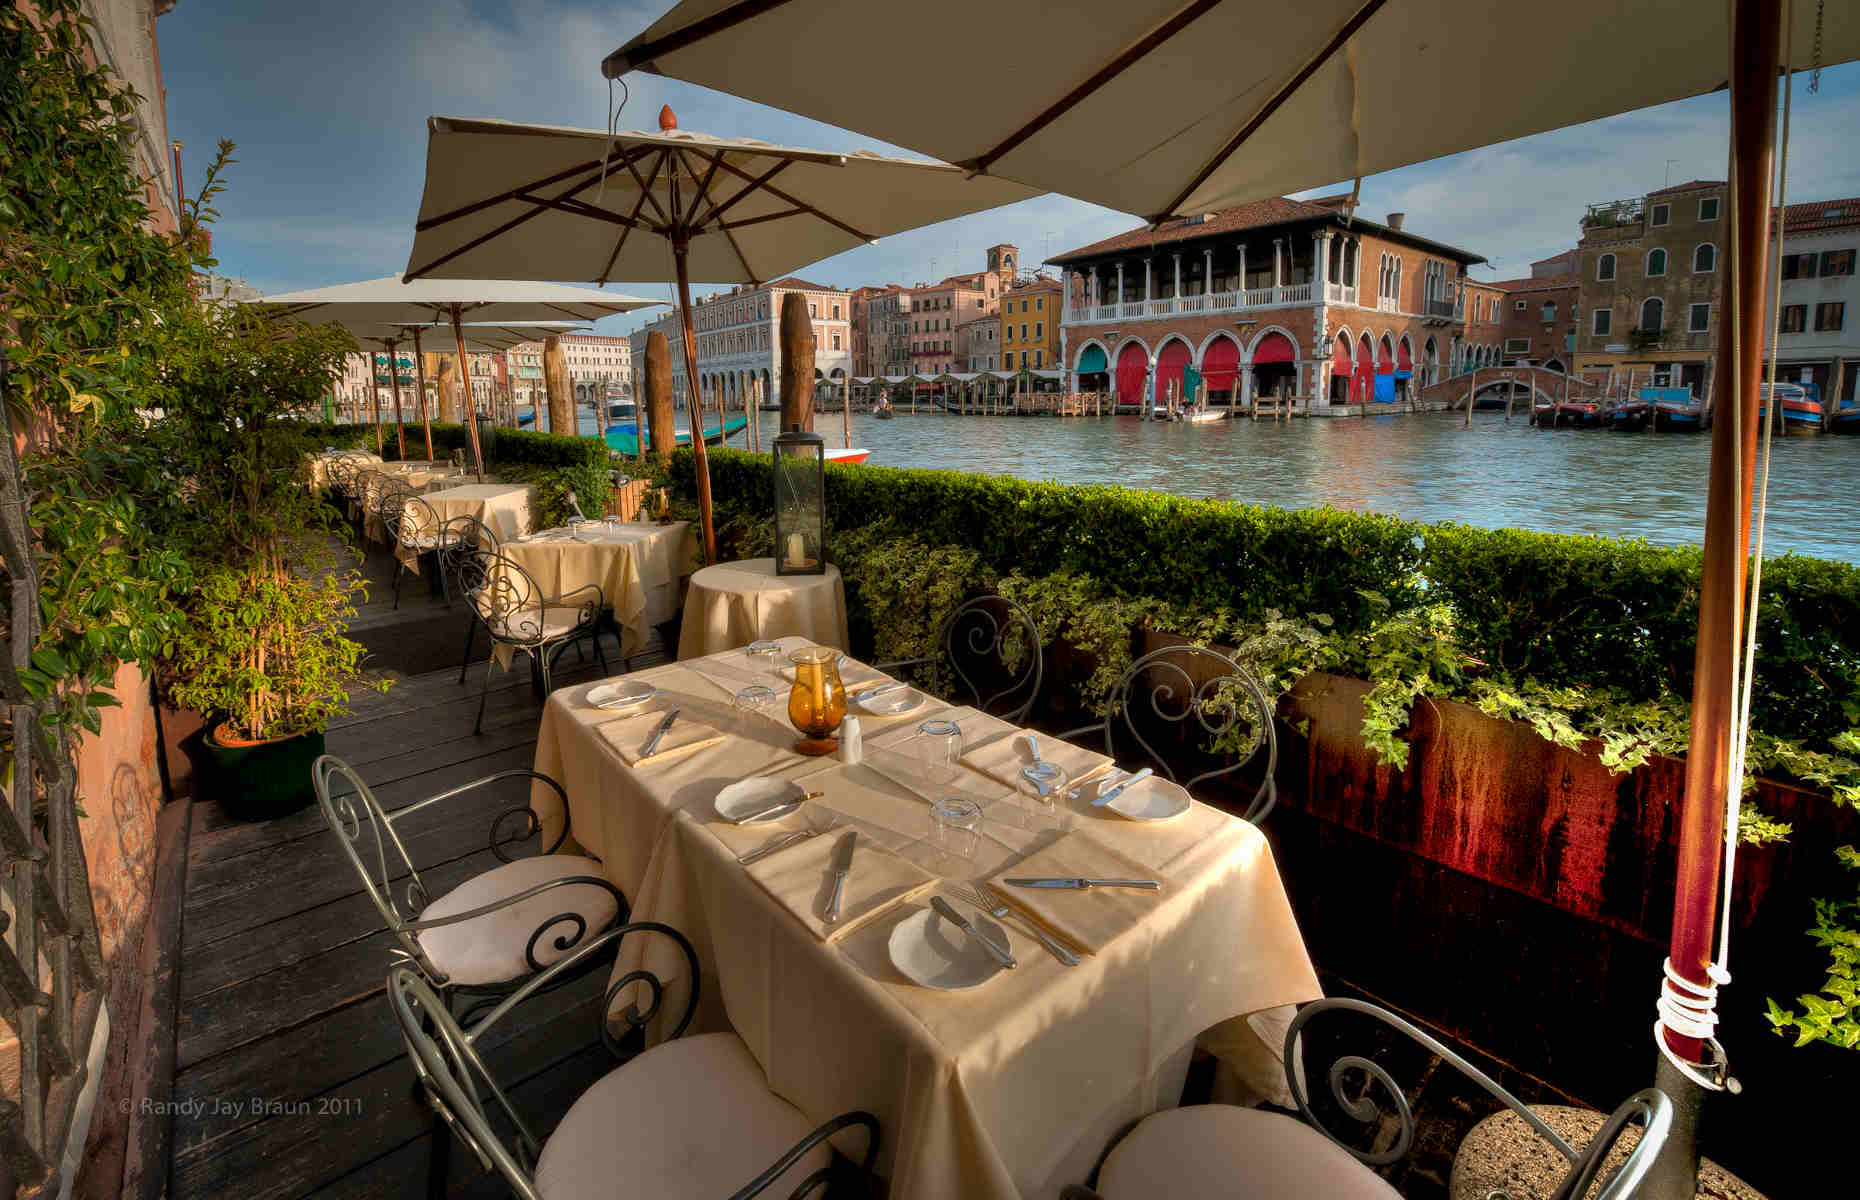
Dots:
{"x": 693, "y": 1117}
{"x": 1213, "y": 1150}
{"x": 533, "y": 625}
{"x": 489, "y": 949}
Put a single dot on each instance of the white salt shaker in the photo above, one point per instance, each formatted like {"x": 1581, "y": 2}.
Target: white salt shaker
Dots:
{"x": 852, "y": 741}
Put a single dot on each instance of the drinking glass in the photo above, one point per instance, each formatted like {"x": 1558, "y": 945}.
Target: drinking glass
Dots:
{"x": 756, "y": 701}
{"x": 956, "y": 826}
{"x": 940, "y": 747}
{"x": 1041, "y": 786}
{"x": 765, "y": 657}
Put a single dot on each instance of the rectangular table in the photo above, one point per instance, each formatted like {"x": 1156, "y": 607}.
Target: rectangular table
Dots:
{"x": 1009, "y": 1090}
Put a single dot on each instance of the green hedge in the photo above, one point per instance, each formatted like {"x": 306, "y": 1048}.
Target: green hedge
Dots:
{"x": 1561, "y": 610}
{"x": 505, "y": 445}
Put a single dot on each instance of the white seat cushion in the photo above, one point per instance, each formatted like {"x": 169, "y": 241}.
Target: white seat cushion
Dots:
{"x": 1208, "y": 1151}
{"x": 489, "y": 949}
{"x": 538, "y": 625}
{"x": 693, "y": 1117}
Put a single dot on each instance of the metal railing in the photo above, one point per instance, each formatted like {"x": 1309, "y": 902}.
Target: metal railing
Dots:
{"x": 51, "y": 962}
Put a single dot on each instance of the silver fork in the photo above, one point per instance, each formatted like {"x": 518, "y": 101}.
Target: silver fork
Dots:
{"x": 1002, "y": 912}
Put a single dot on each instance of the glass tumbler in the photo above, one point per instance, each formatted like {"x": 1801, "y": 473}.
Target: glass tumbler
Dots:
{"x": 940, "y": 748}
{"x": 765, "y": 657}
{"x": 956, "y": 826}
{"x": 756, "y": 701}
{"x": 1041, "y": 787}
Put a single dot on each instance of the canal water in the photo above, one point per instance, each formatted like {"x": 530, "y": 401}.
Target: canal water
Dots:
{"x": 1427, "y": 467}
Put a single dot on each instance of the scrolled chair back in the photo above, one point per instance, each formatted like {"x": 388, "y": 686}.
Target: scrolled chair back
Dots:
{"x": 988, "y": 650}
{"x": 1353, "y": 1082}
{"x": 1192, "y": 711}
{"x": 504, "y": 597}
{"x": 410, "y": 521}
{"x": 373, "y": 848}
{"x": 462, "y": 1086}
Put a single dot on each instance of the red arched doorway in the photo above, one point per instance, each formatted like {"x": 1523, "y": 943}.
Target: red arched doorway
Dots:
{"x": 1275, "y": 366}
{"x": 1363, "y": 377}
{"x": 1133, "y": 365}
{"x": 1339, "y": 388}
{"x": 1170, "y": 361}
{"x": 1220, "y": 369}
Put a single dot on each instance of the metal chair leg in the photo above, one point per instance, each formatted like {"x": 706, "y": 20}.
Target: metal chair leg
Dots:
{"x": 471, "y": 631}
{"x": 544, "y": 656}
{"x": 484, "y": 694}
{"x": 600, "y": 655}
{"x": 395, "y": 567}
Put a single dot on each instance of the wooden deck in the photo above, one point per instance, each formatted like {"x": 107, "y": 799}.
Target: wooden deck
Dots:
{"x": 290, "y": 1075}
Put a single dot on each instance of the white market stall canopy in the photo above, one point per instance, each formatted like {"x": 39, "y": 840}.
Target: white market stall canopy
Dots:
{"x": 388, "y": 301}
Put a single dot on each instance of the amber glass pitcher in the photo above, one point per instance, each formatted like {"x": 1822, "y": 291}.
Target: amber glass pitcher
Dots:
{"x": 817, "y": 704}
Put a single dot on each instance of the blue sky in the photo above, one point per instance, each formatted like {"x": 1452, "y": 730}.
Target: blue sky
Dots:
{"x": 328, "y": 104}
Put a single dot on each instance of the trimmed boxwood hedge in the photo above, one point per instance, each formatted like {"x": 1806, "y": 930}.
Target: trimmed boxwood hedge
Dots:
{"x": 1615, "y": 613}
{"x": 509, "y": 445}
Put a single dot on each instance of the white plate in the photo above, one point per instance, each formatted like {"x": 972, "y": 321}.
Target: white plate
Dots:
{"x": 931, "y": 952}
{"x": 755, "y": 794}
{"x": 1151, "y": 799}
{"x": 894, "y": 703}
{"x": 624, "y": 694}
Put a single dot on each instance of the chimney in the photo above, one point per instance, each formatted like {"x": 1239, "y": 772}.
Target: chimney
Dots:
{"x": 1395, "y": 220}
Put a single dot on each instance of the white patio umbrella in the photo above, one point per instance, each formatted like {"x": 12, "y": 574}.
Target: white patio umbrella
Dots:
{"x": 375, "y": 302}
{"x": 507, "y": 200}
{"x": 1176, "y": 107}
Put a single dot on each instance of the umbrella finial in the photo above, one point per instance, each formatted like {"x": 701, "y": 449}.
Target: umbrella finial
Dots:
{"x": 668, "y": 120}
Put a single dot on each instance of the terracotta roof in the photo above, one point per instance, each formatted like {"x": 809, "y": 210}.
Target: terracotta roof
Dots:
{"x": 1689, "y": 185}
{"x": 795, "y": 283}
{"x": 1820, "y": 214}
{"x": 1546, "y": 283}
{"x": 1556, "y": 257}
{"x": 1276, "y": 210}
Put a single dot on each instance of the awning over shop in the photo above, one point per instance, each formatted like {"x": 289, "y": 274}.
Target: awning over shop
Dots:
{"x": 1092, "y": 361}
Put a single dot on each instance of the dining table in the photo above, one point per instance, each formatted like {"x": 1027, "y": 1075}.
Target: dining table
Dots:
{"x": 731, "y": 604}
{"x": 638, "y": 565}
{"x": 320, "y": 464}
{"x": 508, "y": 510}
{"x": 1010, "y": 1088}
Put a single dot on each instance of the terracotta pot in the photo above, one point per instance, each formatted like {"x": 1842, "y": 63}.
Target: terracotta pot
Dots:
{"x": 255, "y": 781}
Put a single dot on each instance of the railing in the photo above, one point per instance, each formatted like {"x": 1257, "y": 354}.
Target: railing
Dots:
{"x": 1387, "y": 304}
{"x": 1296, "y": 293}
{"x": 1161, "y": 308}
{"x": 1135, "y": 310}
{"x": 1210, "y": 302}
{"x": 1192, "y": 304}
{"x": 1257, "y": 298}
{"x": 1441, "y": 308}
{"x": 51, "y": 967}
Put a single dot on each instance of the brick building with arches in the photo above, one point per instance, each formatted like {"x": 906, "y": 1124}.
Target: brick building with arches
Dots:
{"x": 1284, "y": 298}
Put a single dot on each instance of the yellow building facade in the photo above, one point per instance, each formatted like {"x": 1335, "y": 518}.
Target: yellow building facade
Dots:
{"x": 1030, "y": 315}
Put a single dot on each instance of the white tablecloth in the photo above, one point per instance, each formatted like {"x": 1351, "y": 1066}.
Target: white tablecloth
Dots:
{"x": 732, "y": 604}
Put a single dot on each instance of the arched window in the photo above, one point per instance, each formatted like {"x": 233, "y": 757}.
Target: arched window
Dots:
{"x": 1652, "y": 315}
{"x": 1605, "y": 267}
{"x": 1704, "y": 259}
{"x": 1656, "y": 262}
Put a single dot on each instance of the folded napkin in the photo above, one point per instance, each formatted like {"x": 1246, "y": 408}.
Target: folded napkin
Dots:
{"x": 627, "y": 734}
{"x": 978, "y": 729}
{"x": 800, "y": 879}
{"x": 1090, "y": 918}
{"x": 1003, "y": 758}
{"x": 731, "y": 672}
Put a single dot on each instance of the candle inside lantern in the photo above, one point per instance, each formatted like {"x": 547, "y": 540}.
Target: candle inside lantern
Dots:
{"x": 797, "y": 551}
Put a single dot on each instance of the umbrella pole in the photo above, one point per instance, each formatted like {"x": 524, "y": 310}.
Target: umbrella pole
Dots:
{"x": 846, "y": 409}
{"x": 1756, "y": 35}
{"x": 471, "y": 402}
{"x": 400, "y": 429}
{"x": 680, "y": 248}
{"x": 374, "y": 402}
{"x": 419, "y": 379}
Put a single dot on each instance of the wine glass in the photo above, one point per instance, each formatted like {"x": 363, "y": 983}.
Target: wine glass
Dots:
{"x": 956, "y": 826}
{"x": 940, "y": 747}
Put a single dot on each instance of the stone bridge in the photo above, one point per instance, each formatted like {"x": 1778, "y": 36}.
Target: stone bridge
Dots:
{"x": 1487, "y": 384}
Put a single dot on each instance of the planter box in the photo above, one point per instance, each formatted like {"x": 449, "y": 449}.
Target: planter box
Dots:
{"x": 259, "y": 781}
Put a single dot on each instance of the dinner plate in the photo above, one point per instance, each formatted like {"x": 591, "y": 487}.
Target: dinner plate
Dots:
{"x": 1151, "y": 799}
{"x": 624, "y": 694}
{"x": 754, "y": 794}
{"x": 894, "y": 703}
{"x": 933, "y": 953}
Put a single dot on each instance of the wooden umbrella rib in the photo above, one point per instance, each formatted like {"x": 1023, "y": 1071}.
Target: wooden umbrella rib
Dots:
{"x": 804, "y": 205}
{"x": 703, "y": 188}
{"x": 506, "y": 227}
{"x": 624, "y": 59}
{"x": 639, "y": 202}
{"x": 645, "y": 190}
{"x": 749, "y": 272}
{"x": 774, "y": 216}
{"x": 489, "y": 201}
{"x": 1272, "y": 105}
{"x": 578, "y": 208}
{"x": 749, "y": 189}
{"x": 1128, "y": 58}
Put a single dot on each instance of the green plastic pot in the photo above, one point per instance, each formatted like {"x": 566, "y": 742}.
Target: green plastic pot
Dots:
{"x": 257, "y": 781}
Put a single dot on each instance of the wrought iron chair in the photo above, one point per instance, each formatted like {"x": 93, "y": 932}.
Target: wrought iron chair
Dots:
{"x": 495, "y": 930}
{"x": 653, "y": 1122}
{"x": 412, "y": 524}
{"x": 1198, "y": 699}
{"x": 985, "y": 642}
{"x": 463, "y": 538}
{"x": 516, "y": 614}
{"x": 1222, "y": 1150}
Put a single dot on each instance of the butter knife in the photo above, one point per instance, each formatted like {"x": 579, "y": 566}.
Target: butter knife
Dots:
{"x": 842, "y": 867}
{"x": 1079, "y": 883}
{"x": 1110, "y": 794}
{"x": 948, "y": 912}
{"x": 652, "y": 743}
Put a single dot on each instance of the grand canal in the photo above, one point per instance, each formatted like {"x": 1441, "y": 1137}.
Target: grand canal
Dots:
{"x": 1428, "y": 468}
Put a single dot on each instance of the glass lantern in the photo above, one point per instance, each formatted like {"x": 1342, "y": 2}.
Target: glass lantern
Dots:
{"x": 800, "y": 503}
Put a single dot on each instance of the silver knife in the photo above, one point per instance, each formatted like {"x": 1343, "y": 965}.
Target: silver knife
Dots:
{"x": 879, "y": 690}
{"x": 948, "y": 912}
{"x": 781, "y": 807}
{"x": 842, "y": 867}
{"x": 652, "y": 743}
{"x": 781, "y": 843}
{"x": 1110, "y": 794}
{"x": 1078, "y": 883}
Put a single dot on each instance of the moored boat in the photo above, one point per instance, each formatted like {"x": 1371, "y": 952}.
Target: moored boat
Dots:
{"x": 1628, "y": 417}
{"x": 1570, "y": 414}
{"x": 1846, "y": 420}
{"x": 848, "y": 457}
{"x": 624, "y": 437}
{"x": 883, "y": 410}
{"x": 1801, "y": 413}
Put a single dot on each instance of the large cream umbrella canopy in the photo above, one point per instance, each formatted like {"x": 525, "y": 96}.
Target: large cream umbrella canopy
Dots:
{"x": 1176, "y": 107}
{"x": 503, "y": 200}
{"x": 452, "y": 300}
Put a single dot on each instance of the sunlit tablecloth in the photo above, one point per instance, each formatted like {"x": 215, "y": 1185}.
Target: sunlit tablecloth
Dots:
{"x": 320, "y": 464}
{"x": 507, "y": 509}
{"x": 637, "y": 567}
{"x": 732, "y": 604}
{"x": 1009, "y": 1090}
